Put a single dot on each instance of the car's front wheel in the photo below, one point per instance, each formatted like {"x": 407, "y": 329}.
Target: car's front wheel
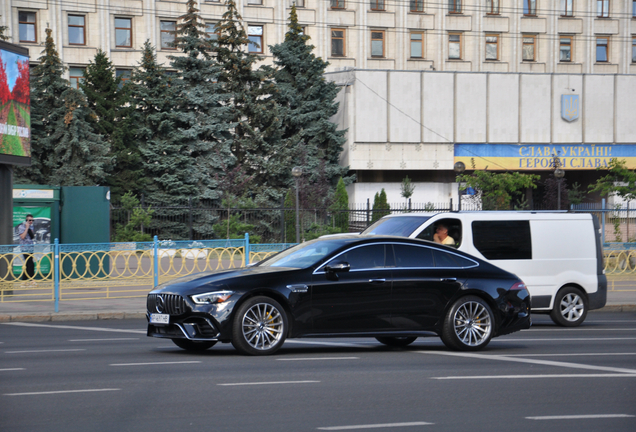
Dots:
{"x": 192, "y": 345}
{"x": 469, "y": 325}
{"x": 396, "y": 341}
{"x": 570, "y": 307}
{"x": 259, "y": 326}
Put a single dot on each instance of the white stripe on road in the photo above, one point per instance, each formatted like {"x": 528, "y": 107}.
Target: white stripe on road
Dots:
{"x": 22, "y": 324}
{"x": 576, "y": 417}
{"x": 539, "y": 362}
{"x": 579, "y": 329}
{"x": 342, "y": 344}
{"x": 44, "y": 351}
{"x": 153, "y": 363}
{"x": 61, "y": 392}
{"x": 268, "y": 383}
{"x": 102, "y": 340}
{"x": 11, "y": 369}
{"x": 571, "y": 355}
{"x": 318, "y": 358}
{"x": 504, "y": 339}
{"x": 534, "y": 376}
{"x": 374, "y": 426}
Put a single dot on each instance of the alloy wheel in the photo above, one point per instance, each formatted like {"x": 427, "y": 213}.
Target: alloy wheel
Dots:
{"x": 473, "y": 324}
{"x": 262, "y": 326}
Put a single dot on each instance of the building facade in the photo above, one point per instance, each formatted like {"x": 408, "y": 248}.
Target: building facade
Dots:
{"x": 484, "y": 72}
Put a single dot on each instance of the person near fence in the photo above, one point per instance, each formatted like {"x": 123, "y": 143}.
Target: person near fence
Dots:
{"x": 25, "y": 231}
{"x": 441, "y": 235}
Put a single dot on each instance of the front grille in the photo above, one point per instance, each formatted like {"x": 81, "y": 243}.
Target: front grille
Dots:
{"x": 166, "y": 303}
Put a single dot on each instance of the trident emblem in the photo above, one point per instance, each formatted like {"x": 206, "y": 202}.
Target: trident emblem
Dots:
{"x": 569, "y": 107}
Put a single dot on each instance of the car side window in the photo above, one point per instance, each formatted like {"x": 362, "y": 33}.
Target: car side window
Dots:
{"x": 454, "y": 230}
{"x": 409, "y": 256}
{"x": 363, "y": 257}
{"x": 449, "y": 260}
{"x": 499, "y": 240}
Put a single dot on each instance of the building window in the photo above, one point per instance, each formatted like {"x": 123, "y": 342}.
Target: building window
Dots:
{"x": 530, "y": 7}
{"x": 377, "y": 43}
{"x": 76, "y": 30}
{"x": 337, "y": 4}
{"x": 26, "y": 22}
{"x": 418, "y": 5}
{"x": 455, "y": 46}
{"x": 417, "y": 45}
{"x": 633, "y": 8}
{"x": 565, "y": 49}
{"x": 338, "y": 42}
{"x": 168, "y": 31}
{"x": 455, "y": 6}
{"x": 567, "y": 8}
{"x": 492, "y": 47}
{"x": 377, "y": 5}
{"x": 124, "y": 75}
{"x": 255, "y": 2}
{"x": 602, "y": 8}
{"x": 602, "y": 44}
{"x": 634, "y": 50}
{"x": 528, "y": 48}
{"x": 123, "y": 32}
{"x": 298, "y": 3}
{"x": 211, "y": 31}
{"x": 76, "y": 76}
{"x": 492, "y": 7}
{"x": 255, "y": 36}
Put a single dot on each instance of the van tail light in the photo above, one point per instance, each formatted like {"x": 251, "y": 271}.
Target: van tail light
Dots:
{"x": 518, "y": 286}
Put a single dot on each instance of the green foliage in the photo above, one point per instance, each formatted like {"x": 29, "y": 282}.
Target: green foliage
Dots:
{"x": 381, "y": 207}
{"x": 2, "y": 35}
{"x": 407, "y": 188}
{"x": 497, "y": 190}
{"x": 138, "y": 218}
{"x": 290, "y": 217}
{"x": 340, "y": 207}
{"x": 620, "y": 181}
{"x": 316, "y": 230}
{"x": 575, "y": 194}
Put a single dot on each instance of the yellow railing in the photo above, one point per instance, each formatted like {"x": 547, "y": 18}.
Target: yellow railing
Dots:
{"x": 86, "y": 275}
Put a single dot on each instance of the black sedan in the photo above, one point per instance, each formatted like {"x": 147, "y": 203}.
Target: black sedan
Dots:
{"x": 392, "y": 288}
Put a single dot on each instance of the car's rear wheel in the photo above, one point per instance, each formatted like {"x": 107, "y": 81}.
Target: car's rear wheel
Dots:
{"x": 469, "y": 325}
{"x": 259, "y": 326}
{"x": 570, "y": 307}
{"x": 192, "y": 345}
{"x": 396, "y": 341}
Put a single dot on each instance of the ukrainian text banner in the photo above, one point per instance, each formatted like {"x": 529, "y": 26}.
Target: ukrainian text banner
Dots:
{"x": 534, "y": 157}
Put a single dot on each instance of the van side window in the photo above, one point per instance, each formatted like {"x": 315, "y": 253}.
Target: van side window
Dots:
{"x": 503, "y": 240}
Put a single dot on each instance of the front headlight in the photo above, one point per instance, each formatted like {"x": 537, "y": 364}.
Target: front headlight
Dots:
{"x": 212, "y": 297}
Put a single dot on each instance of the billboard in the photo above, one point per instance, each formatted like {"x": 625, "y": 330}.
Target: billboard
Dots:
{"x": 15, "y": 105}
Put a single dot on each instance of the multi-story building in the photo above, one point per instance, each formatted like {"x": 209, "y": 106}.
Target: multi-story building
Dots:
{"x": 474, "y": 64}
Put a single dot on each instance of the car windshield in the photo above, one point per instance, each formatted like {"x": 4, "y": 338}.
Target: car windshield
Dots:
{"x": 303, "y": 255}
{"x": 397, "y": 226}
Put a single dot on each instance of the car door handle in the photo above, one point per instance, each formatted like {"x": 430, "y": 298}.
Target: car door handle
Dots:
{"x": 449, "y": 279}
{"x": 378, "y": 281}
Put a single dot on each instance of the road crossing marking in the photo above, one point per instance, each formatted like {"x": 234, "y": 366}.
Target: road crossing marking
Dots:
{"x": 576, "y": 417}
{"x": 474, "y": 377}
{"x": 67, "y": 327}
{"x": 375, "y": 426}
{"x": 267, "y": 383}
{"x": 43, "y": 351}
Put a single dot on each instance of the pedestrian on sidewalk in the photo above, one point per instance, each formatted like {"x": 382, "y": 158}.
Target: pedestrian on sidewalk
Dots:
{"x": 25, "y": 231}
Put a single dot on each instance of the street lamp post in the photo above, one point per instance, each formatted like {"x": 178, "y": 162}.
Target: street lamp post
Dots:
{"x": 459, "y": 168}
{"x": 559, "y": 173}
{"x": 296, "y": 173}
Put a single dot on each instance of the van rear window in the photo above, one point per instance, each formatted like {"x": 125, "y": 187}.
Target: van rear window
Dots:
{"x": 503, "y": 240}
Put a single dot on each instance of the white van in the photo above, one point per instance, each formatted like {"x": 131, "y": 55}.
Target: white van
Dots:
{"x": 558, "y": 255}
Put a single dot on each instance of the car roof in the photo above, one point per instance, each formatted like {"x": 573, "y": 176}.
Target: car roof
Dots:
{"x": 496, "y": 215}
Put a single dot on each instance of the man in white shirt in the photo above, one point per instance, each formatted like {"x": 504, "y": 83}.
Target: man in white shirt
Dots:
{"x": 441, "y": 235}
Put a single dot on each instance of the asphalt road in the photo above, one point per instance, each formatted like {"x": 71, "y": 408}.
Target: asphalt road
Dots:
{"x": 108, "y": 376}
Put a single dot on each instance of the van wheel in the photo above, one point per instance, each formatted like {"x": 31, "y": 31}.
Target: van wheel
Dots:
{"x": 570, "y": 307}
{"x": 469, "y": 325}
{"x": 396, "y": 341}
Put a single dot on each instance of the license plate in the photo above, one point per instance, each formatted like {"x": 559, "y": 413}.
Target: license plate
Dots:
{"x": 160, "y": 318}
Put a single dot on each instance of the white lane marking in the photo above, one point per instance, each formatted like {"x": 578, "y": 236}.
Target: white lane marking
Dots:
{"x": 153, "y": 363}
{"x": 67, "y": 327}
{"x": 61, "y": 392}
{"x": 576, "y": 417}
{"x": 374, "y": 426}
{"x": 539, "y": 362}
{"x": 579, "y": 329}
{"x": 11, "y": 369}
{"x": 474, "y": 377}
{"x": 570, "y": 355}
{"x": 318, "y": 358}
{"x": 102, "y": 340}
{"x": 43, "y": 351}
{"x": 267, "y": 383}
{"x": 504, "y": 339}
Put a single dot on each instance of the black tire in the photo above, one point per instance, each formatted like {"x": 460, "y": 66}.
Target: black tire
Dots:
{"x": 396, "y": 341}
{"x": 189, "y": 345}
{"x": 259, "y": 326}
{"x": 570, "y": 307}
{"x": 469, "y": 325}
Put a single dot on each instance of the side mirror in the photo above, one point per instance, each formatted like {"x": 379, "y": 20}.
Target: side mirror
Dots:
{"x": 338, "y": 267}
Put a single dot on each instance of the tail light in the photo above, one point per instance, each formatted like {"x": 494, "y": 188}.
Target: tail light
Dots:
{"x": 518, "y": 286}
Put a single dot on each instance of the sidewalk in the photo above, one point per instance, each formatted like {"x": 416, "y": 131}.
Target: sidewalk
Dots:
{"x": 135, "y": 308}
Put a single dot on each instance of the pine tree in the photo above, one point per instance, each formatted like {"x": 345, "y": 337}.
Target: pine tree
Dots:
{"x": 381, "y": 207}
{"x": 340, "y": 207}
{"x": 101, "y": 88}
{"x": 308, "y": 103}
{"x": 256, "y": 142}
{"x": 201, "y": 112}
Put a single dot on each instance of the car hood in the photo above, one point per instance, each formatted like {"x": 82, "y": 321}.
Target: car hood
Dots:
{"x": 205, "y": 280}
